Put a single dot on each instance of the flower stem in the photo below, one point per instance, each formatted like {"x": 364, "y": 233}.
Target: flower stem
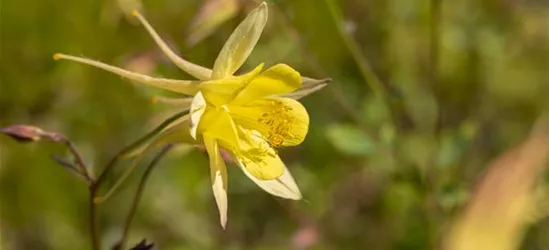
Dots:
{"x": 139, "y": 194}
{"x": 94, "y": 184}
{"x": 128, "y": 150}
{"x": 79, "y": 161}
{"x": 363, "y": 65}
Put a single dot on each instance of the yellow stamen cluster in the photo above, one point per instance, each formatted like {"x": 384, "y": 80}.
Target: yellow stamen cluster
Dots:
{"x": 279, "y": 121}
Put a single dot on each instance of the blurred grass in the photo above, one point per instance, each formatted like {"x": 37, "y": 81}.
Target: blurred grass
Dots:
{"x": 375, "y": 173}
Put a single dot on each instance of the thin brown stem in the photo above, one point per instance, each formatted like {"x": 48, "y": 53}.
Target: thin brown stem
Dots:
{"x": 139, "y": 194}
{"x": 81, "y": 167}
{"x": 70, "y": 166}
{"x": 79, "y": 161}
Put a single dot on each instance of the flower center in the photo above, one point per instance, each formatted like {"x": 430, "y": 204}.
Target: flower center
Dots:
{"x": 279, "y": 121}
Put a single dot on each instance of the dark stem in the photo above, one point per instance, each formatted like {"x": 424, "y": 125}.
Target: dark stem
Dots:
{"x": 79, "y": 164}
{"x": 70, "y": 166}
{"x": 95, "y": 184}
{"x": 80, "y": 167}
{"x": 79, "y": 161}
{"x": 139, "y": 194}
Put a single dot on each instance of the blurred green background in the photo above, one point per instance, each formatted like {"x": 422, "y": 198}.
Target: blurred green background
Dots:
{"x": 424, "y": 95}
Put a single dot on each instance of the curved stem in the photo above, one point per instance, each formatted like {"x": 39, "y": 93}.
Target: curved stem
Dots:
{"x": 79, "y": 162}
{"x": 95, "y": 184}
{"x": 135, "y": 145}
{"x": 120, "y": 180}
{"x": 363, "y": 65}
{"x": 139, "y": 194}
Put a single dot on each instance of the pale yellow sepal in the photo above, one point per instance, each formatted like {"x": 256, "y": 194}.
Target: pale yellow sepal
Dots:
{"x": 240, "y": 44}
{"x": 283, "y": 186}
{"x": 218, "y": 172}
{"x": 197, "y": 71}
{"x": 308, "y": 82}
{"x": 179, "y": 86}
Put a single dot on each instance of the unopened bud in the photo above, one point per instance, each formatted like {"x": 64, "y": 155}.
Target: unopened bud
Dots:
{"x": 27, "y": 133}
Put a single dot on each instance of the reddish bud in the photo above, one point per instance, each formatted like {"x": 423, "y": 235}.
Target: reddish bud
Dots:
{"x": 27, "y": 133}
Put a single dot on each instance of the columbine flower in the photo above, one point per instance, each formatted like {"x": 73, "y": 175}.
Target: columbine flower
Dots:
{"x": 248, "y": 115}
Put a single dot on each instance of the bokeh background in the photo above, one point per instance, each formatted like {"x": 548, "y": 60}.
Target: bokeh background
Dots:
{"x": 400, "y": 152}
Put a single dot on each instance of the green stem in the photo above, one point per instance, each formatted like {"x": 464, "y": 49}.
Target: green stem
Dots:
{"x": 127, "y": 172}
{"x": 134, "y": 146}
{"x": 94, "y": 185}
{"x": 312, "y": 62}
{"x": 363, "y": 65}
{"x": 139, "y": 194}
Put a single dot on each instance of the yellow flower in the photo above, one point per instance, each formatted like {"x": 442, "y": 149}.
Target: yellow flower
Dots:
{"x": 248, "y": 115}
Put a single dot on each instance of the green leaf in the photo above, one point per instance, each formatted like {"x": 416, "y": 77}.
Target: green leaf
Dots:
{"x": 350, "y": 140}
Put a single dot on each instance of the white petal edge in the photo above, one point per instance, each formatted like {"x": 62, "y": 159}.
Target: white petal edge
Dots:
{"x": 283, "y": 186}
{"x": 218, "y": 171}
{"x": 220, "y": 195}
{"x": 198, "y": 106}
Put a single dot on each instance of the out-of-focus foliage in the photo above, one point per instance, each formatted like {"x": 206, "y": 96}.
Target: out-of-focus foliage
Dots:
{"x": 464, "y": 81}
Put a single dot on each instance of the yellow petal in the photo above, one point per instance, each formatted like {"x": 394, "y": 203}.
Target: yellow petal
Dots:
{"x": 281, "y": 121}
{"x": 218, "y": 172}
{"x": 283, "y": 186}
{"x": 258, "y": 157}
{"x": 218, "y": 124}
{"x": 277, "y": 80}
{"x": 222, "y": 91}
{"x": 197, "y": 71}
{"x": 179, "y": 86}
{"x": 240, "y": 44}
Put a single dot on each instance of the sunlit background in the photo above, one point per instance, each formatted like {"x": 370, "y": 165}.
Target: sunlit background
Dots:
{"x": 431, "y": 135}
